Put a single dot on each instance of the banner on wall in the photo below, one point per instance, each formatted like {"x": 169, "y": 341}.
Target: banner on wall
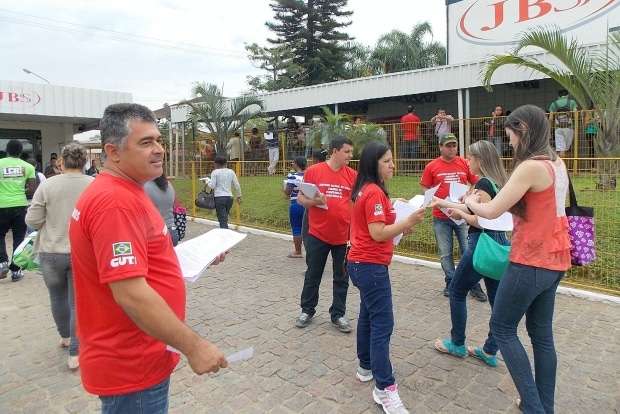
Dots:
{"x": 478, "y": 29}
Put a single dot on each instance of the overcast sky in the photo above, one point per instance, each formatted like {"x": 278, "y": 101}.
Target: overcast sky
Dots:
{"x": 156, "y": 49}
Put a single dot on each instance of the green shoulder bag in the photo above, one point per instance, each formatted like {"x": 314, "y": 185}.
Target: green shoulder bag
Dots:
{"x": 490, "y": 258}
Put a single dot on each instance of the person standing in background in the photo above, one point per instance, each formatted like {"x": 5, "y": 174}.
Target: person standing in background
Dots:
{"x": 17, "y": 184}
{"x": 225, "y": 185}
{"x": 49, "y": 213}
{"x": 162, "y": 194}
{"x": 410, "y": 145}
{"x": 273, "y": 148}
{"x": 296, "y": 210}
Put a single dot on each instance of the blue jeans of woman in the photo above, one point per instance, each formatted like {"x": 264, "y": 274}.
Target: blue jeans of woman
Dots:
{"x": 296, "y": 216}
{"x": 376, "y": 320}
{"x": 222, "y": 210}
{"x": 465, "y": 278}
{"x": 530, "y": 291}
{"x": 152, "y": 400}
{"x": 58, "y": 277}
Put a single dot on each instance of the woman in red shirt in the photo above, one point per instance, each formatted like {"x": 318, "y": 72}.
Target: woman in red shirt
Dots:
{"x": 372, "y": 229}
{"x": 535, "y": 194}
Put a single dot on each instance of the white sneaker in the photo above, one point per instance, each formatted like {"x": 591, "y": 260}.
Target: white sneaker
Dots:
{"x": 65, "y": 342}
{"x": 73, "y": 362}
{"x": 364, "y": 375}
{"x": 389, "y": 400}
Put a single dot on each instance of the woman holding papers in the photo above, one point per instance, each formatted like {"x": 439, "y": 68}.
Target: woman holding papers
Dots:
{"x": 296, "y": 210}
{"x": 372, "y": 229}
{"x": 484, "y": 161}
{"x": 535, "y": 194}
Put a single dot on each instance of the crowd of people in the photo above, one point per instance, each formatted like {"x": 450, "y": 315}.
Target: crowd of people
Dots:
{"x": 117, "y": 295}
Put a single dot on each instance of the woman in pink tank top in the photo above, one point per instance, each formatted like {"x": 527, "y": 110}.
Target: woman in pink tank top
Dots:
{"x": 535, "y": 194}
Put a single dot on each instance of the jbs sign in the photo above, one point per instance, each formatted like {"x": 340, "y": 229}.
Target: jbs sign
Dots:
{"x": 499, "y": 22}
{"x": 12, "y": 97}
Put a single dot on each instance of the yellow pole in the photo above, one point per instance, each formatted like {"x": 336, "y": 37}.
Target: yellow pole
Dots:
{"x": 576, "y": 143}
{"x": 193, "y": 189}
{"x": 283, "y": 152}
{"x": 395, "y": 155}
{"x": 238, "y": 208}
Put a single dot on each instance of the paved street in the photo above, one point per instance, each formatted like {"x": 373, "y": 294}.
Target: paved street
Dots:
{"x": 252, "y": 300}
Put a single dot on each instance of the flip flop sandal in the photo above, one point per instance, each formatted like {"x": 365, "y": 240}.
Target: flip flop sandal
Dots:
{"x": 477, "y": 352}
{"x": 446, "y": 346}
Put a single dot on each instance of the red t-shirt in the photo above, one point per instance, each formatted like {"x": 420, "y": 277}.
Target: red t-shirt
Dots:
{"x": 116, "y": 233}
{"x": 371, "y": 206}
{"x": 332, "y": 225}
{"x": 440, "y": 171}
{"x": 411, "y": 123}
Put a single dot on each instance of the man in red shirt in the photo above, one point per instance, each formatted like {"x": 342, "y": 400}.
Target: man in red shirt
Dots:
{"x": 328, "y": 231}
{"x": 447, "y": 168}
{"x": 130, "y": 294}
{"x": 410, "y": 145}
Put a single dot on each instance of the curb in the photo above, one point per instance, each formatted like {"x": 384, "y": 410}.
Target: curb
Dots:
{"x": 568, "y": 291}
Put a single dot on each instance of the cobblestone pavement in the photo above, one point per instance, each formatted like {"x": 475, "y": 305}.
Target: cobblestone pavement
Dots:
{"x": 252, "y": 300}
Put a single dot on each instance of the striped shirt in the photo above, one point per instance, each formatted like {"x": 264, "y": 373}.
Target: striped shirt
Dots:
{"x": 292, "y": 182}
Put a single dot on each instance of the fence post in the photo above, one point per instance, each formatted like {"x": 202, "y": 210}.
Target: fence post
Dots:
{"x": 576, "y": 143}
{"x": 193, "y": 189}
{"x": 395, "y": 155}
{"x": 238, "y": 209}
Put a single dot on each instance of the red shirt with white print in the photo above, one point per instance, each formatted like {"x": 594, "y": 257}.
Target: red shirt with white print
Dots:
{"x": 116, "y": 233}
{"x": 332, "y": 225}
{"x": 371, "y": 206}
{"x": 441, "y": 172}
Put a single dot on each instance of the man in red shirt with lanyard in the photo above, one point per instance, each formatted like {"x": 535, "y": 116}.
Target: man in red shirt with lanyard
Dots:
{"x": 130, "y": 294}
{"x": 447, "y": 168}
{"x": 328, "y": 231}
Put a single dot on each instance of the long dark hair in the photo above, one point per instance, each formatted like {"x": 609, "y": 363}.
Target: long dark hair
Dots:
{"x": 161, "y": 182}
{"x": 531, "y": 125}
{"x": 368, "y": 169}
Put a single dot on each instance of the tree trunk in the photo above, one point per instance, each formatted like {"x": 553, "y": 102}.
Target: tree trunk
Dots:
{"x": 607, "y": 168}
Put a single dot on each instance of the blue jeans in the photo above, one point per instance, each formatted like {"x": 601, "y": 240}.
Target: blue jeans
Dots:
{"x": 465, "y": 278}
{"x": 152, "y": 400}
{"x": 529, "y": 291}
{"x": 376, "y": 320}
{"x": 443, "y": 234}
{"x": 410, "y": 149}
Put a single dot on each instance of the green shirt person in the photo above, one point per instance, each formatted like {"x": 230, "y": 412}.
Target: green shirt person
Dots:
{"x": 17, "y": 179}
{"x": 14, "y": 179}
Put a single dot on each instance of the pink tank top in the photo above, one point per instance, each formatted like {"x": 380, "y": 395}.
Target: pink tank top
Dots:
{"x": 540, "y": 238}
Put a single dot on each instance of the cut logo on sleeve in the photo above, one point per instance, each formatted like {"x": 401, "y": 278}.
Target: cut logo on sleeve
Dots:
{"x": 123, "y": 254}
{"x": 378, "y": 209}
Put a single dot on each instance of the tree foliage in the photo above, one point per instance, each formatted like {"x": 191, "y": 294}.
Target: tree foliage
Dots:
{"x": 590, "y": 75}
{"x": 220, "y": 115}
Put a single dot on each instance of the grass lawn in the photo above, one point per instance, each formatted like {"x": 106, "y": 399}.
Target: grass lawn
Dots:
{"x": 265, "y": 206}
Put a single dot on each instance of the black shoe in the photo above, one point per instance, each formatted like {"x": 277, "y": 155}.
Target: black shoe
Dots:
{"x": 17, "y": 275}
{"x": 446, "y": 292}
{"x": 477, "y": 293}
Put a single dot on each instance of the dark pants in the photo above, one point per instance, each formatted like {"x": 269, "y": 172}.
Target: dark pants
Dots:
{"x": 465, "y": 278}
{"x": 222, "y": 209}
{"x": 376, "y": 320}
{"x": 152, "y": 400}
{"x": 529, "y": 291}
{"x": 316, "y": 256}
{"x": 58, "y": 277}
{"x": 14, "y": 219}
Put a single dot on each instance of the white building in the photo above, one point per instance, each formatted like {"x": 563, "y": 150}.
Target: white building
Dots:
{"x": 45, "y": 117}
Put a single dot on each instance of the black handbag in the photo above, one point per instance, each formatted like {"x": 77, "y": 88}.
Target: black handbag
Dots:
{"x": 205, "y": 199}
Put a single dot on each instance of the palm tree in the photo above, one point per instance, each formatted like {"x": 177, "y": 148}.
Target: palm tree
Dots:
{"x": 360, "y": 61}
{"x": 591, "y": 76}
{"x": 399, "y": 51}
{"x": 221, "y": 116}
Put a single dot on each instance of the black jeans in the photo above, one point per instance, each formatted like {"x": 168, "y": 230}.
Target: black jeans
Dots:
{"x": 14, "y": 219}
{"x": 316, "y": 256}
{"x": 222, "y": 209}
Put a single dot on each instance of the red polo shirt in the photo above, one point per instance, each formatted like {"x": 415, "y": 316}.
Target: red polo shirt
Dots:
{"x": 116, "y": 233}
{"x": 411, "y": 123}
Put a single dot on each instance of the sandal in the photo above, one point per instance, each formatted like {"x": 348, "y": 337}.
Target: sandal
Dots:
{"x": 478, "y": 352}
{"x": 446, "y": 346}
{"x": 294, "y": 256}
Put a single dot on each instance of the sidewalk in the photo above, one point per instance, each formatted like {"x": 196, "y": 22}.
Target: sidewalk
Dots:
{"x": 252, "y": 300}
